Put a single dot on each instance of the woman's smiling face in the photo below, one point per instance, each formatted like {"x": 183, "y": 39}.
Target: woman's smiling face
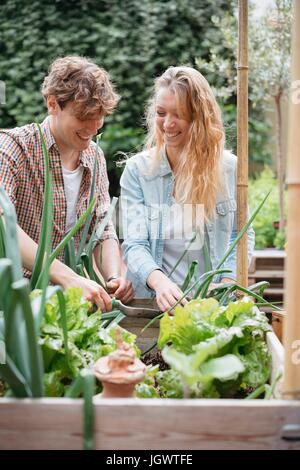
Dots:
{"x": 172, "y": 125}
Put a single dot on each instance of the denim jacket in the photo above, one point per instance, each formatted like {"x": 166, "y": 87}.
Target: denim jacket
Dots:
{"x": 144, "y": 199}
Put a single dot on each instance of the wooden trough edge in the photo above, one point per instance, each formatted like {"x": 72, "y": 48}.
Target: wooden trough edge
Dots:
{"x": 150, "y": 424}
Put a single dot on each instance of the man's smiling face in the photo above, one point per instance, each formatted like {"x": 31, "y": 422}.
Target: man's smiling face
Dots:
{"x": 70, "y": 130}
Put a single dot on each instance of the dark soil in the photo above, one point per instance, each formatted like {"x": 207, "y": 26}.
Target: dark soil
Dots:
{"x": 244, "y": 393}
{"x": 153, "y": 358}
{"x": 2, "y": 388}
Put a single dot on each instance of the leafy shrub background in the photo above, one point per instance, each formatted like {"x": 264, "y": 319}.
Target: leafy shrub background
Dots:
{"x": 135, "y": 41}
{"x": 266, "y": 235}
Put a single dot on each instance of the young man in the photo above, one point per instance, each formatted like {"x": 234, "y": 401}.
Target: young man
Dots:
{"x": 78, "y": 95}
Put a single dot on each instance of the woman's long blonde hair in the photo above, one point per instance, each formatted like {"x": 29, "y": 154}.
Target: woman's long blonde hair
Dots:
{"x": 198, "y": 175}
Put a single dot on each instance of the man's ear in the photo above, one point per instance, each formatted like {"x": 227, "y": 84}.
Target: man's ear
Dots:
{"x": 52, "y": 105}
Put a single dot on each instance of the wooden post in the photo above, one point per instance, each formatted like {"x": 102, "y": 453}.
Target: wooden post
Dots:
{"x": 242, "y": 142}
{"x": 291, "y": 387}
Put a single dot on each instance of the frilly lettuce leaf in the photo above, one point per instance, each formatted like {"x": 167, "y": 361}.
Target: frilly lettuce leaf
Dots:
{"x": 87, "y": 340}
{"x": 222, "y": 368}
{"x": 213, "y": 349}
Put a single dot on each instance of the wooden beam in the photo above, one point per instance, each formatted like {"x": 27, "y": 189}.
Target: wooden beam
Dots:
{"x": 242, "y": 142}
{"x": 291, "y": 388}
{"x": 148, "y": 424}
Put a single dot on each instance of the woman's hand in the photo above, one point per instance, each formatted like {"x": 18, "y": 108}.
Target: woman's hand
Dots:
{"x": 167, "y": 292}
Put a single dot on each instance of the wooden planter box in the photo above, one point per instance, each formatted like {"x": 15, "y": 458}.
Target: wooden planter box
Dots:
{"x": 150, "y": 424}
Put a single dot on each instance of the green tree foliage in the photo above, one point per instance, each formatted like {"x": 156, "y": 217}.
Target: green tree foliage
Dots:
{"x": 266, "y": 222}
{"x": 269, "y": 74}
{"x": 134, "y": 40}
{"x": 269, "y": 59}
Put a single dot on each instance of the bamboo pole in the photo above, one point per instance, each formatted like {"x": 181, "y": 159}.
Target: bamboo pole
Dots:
{"x": 242, "y": 141}
{"x": 291, "y": 385}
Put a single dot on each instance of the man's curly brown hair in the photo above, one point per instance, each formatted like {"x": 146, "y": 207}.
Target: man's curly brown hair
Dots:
{"x": 77, "y": 79}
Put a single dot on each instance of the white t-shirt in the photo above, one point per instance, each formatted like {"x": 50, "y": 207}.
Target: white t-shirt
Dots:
{"x": 179, "y": 231}
{"x": 72, "y": 182}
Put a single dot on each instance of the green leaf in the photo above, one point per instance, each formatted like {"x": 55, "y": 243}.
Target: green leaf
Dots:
{"x": 183, "y": 364}
{"x": 70, "y": 255}
{"x": 189, "y": 275}
{"x": 53, "y": 385}
{"x": 257, "y": 363}
{"x": 88, "y": 393}
{"x": 85, "y": 383}
{"x": 16, "y": 381}
{"x": 242, "y": 232}
{"x": 67, "y": 238}
{"x": 34, "y": 351}
{"x": 100, "y": 229}
{"x": 11, "y": 238}
{"x": 63, "y": 320}
{"x": 2, "y": 239}
{"x": 223, "y": 368}
{"x": 45, "y": 239}
{"x": 90, "y": 216}
{"x": 170, "y": 384}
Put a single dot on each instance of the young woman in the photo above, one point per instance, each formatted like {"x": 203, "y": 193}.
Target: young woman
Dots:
{"x": 182, "y": 184}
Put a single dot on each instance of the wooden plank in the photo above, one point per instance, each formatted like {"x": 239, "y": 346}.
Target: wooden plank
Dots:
{"x": 47, "y": 423}
{"x": 273, "y": 260}
{"x": 267, "y": 274}
{"x": 148, "y": 424}
{"x": 274, "y": 291}
{"x": 269, "y": 253}
{"x": 195, "y": 424}
{"x": 146, "y": 338}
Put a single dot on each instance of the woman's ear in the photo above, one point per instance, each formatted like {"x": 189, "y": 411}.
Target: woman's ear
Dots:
{"x": 52, "y": 105}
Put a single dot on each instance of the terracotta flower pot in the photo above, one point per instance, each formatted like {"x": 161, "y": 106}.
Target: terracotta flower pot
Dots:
{"x": 120, "y": 371}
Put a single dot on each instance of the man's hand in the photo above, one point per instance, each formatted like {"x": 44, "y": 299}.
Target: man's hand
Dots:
{"x": 62, "y": 275}
{"x": 91, "y": 291}
{"x": 121, "y": 288}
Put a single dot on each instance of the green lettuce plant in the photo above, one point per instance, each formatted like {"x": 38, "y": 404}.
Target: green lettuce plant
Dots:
{"x": 214, "y": 351}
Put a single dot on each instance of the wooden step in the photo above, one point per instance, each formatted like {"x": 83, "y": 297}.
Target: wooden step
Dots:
{"x": 269, "y": 253}
{"x": 269, "y": 259}
{"x": 274, "y": 291}
{"x": 268, "y": 274}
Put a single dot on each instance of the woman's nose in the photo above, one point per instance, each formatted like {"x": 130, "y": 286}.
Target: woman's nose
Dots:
{"x": 169, "y": 122}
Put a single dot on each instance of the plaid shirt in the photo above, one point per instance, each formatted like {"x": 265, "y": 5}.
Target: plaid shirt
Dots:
{"x": 22, "y": 175}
